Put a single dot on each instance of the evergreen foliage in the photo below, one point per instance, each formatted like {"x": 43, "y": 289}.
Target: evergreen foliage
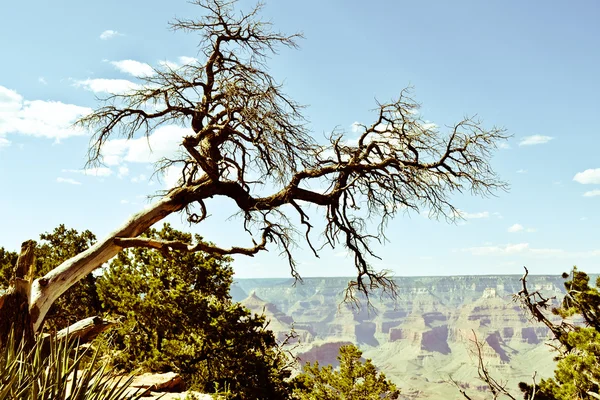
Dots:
{"x": 176, "y": 314}
{"x": 577, "y": 373}
{"x": 8, "y": 260}
{"x": 81, "y": 300}
{"x": 354, "y": 380}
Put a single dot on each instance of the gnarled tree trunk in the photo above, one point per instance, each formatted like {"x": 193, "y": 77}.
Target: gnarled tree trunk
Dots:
{"x": 25, "y": 304}
{"x": 14, "y": 304}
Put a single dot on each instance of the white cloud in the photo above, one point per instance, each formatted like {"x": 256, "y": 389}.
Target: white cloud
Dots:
{"x": 535, "y": 139}
{"x": 503, "y": 146}
{"x": 111, "y": 86}
{"x": 109, "y": 34}
{"x": 172, "y": 176}
{"x": 139, "y": 178}
{"x": 522, "y": 171}
{"x": 42, "y": 80}
{"x": 355, "y": 127}
{"x": 100, "y": 172}
{"x": 516, "y": 228}
{"x": 477, "y": 215}
{"x": 520, "y": 228}
{"x": 163, "y": 142}
{"x": 4, "y": 142}
{"x": 49, "y": 119}
{"x": 168, "y": 64}
{"x": 185, "y": 60}
{"x": 134, "y": 68}
{"x": 523, "y": 249}
{"x": 68, "y": 180}
{"x": 592, "y": 193}
{"x": 589, "y": 176}
{"x": 428, "y": 125}
{"x": 497, "y": 250}
{"x": 123, "y": 171}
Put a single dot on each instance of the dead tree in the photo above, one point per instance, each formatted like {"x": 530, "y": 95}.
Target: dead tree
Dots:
{"x": 247, "y": 137}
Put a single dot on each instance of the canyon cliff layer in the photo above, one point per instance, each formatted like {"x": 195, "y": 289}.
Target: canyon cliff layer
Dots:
{"x": 420, "y": 339}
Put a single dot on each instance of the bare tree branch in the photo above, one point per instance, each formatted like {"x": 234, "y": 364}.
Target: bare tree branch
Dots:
{"x": 536, "y": 304}
{"x": 243, "y": 129}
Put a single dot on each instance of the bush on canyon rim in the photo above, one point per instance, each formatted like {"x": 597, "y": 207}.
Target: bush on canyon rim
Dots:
{"x": 354, "y": 380}
{"x": 176, "y": 314}
{"x": 577, "y": 374}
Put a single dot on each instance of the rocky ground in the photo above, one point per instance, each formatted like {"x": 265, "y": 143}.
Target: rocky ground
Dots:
{"x": 167, "y": 386}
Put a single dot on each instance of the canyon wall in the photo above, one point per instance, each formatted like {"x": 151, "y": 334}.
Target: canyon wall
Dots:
{"x": 421, "y": 338}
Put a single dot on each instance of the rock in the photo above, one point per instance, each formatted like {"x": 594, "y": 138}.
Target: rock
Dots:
{"x": 177, "y": 396}
{"x": 167, "y": 382}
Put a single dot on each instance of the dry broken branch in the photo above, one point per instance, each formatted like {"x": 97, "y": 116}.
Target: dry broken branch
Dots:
{"x": 497, "y": 388}
{"x": 536, "y": 304}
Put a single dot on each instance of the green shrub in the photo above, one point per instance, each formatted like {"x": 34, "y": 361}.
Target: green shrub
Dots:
{"x": 354, "y": 380}
{"x": 177, "y": 315}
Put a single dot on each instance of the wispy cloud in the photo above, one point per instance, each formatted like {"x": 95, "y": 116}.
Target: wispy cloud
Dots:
{"x": 139, "y": 178}
{"x": 476, "y": 215}
{"x": 185, "y": 60}
{"x": 111, "y": 86}
{"x": 164, "y": 142}
{"x": 42, "y": 80}
{"x": 100, "y": 172}
{"x": 535, "y": 139}
{"x": 4, "y": 142}
{"x": 524, "y": 249}
{"x": 520, "y": 228}
{"x": 123, "y": 171}
{"x": 592, "y": 193}
{"x": 38, "y": 118}
{"x": 521, "y": 171}
{"x": 168, "y": 64}
{"x": 109, "y": 34}
{"x": 497, "y": 250}
{"x": 516, "y": 228}
{"x": 68, "y": 180}
{"x": 134, "y": 68}
{"x": 589, "y": 176}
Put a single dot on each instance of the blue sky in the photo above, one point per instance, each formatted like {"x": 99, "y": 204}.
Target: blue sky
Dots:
{"x": 531, "y": 67}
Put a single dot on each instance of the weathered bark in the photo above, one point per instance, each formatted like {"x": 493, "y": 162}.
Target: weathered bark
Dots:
{"x": 45, "y": 290}
{"x": 86, "y": 330}
{"x": 82, "y": 332}
{"x": 14, "y": 304}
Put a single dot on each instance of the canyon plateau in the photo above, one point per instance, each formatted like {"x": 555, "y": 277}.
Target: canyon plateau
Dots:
{"x": 421, "y": 340}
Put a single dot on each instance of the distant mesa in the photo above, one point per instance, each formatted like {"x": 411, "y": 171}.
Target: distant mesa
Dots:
{"x": 422, "y": 337}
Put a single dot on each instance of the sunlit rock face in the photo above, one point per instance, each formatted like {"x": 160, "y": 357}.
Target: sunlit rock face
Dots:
{"x": 419, "y": 339}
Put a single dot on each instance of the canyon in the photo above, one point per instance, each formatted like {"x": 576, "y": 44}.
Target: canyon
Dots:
{"x": 423, "y": 339}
